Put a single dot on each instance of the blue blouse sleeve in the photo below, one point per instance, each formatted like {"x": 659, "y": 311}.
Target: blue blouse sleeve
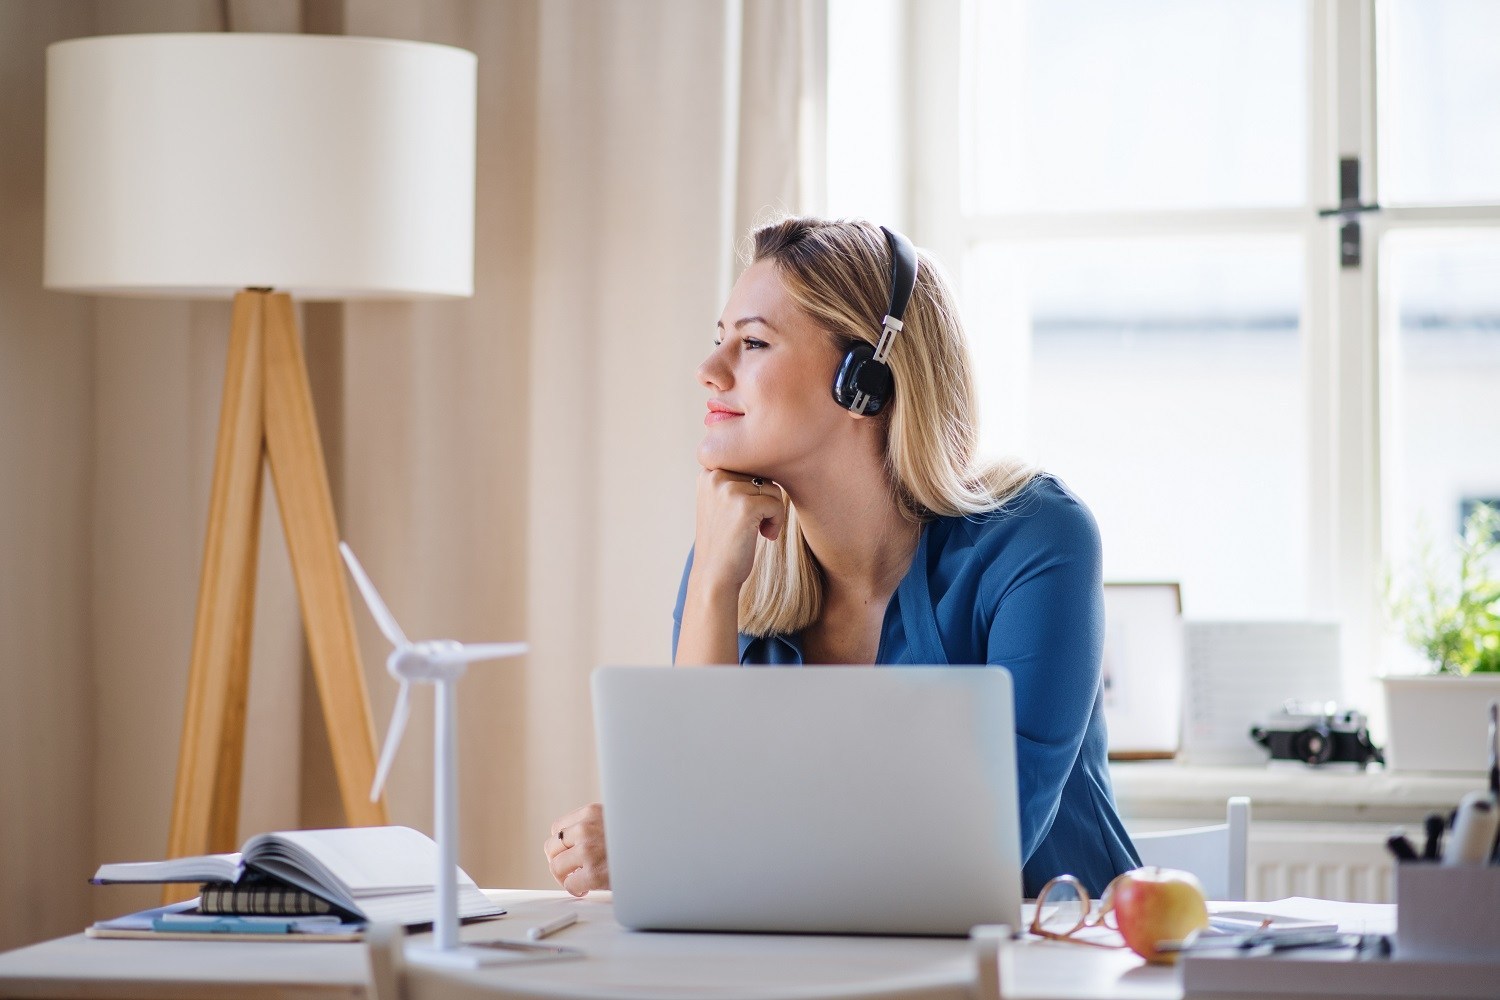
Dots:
{"x": 681, "y": 600}
{"x": 1048, "y": 631}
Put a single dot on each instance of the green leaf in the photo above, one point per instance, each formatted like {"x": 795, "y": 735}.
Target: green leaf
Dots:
{"x": 1452, "y": 613}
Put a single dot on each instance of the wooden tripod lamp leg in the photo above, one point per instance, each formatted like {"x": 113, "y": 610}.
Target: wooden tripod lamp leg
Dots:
{"x": 266, "y": 412}
{"x": 204, "y": 807}
{"x": 298, "y": 470}
{"x": 224, "y": 816}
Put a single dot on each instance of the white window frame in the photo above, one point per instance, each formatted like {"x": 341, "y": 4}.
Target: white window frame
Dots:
{"x": 1343, "y": 335}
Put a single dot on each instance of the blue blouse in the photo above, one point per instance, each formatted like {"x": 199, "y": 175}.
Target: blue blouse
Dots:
{"x": 1021, "y": 588}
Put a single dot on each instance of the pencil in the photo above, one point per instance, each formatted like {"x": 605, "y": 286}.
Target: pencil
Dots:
{"x": 552, "y": 926}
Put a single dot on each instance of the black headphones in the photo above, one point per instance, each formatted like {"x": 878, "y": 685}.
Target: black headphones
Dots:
{"x": 863, "y": 383}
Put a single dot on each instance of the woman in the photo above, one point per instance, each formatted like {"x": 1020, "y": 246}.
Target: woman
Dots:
{"x": 826, "y": 535}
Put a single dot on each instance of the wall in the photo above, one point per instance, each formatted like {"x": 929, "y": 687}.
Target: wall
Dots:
{"x": 46, "y": 416}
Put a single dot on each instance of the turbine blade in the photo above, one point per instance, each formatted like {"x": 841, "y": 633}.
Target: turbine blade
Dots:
{"x": 392, "y": 740}
{"x": 378, "y": 610}
{"x": 475, "y": 651}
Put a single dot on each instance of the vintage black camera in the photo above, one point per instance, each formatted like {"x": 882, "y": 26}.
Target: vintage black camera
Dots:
{"x": 1317, "y": 734}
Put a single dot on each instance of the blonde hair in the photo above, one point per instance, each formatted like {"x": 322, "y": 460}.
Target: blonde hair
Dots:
{"x": 838, "y": 272}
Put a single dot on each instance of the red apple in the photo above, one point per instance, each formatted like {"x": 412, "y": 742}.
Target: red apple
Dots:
{"x": 1158, "y": 904}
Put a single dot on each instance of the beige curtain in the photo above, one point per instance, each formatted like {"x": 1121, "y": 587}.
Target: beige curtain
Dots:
{"x": 515, "y": 466}
{"x": 648, "y": 166}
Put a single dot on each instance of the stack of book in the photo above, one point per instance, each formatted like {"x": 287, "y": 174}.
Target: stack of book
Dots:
{"x": 382, "y": 874}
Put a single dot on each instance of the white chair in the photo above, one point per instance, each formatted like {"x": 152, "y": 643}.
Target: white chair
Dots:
{"x": 1218, "y": 855}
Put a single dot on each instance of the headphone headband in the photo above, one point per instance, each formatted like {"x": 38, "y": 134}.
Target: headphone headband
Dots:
{"x": 903, "y": 273}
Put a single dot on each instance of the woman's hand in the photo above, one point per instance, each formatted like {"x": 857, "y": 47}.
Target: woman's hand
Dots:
{"x": 732, "y": 510}
{"x": 575, "y": 851}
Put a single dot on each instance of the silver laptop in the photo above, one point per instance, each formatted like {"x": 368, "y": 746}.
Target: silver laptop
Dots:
{"x": 810, "y": 799}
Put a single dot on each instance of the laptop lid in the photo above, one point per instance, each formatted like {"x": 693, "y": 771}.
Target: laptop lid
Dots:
{"x": 810, "y": 799}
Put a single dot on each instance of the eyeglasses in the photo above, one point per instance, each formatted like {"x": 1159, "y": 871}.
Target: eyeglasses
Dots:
{"x": 1063, "y": 910}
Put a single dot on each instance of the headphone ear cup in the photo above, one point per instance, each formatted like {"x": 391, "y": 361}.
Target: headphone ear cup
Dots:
{"x": 858, "y": 373}
{"x": 845, "y": 381}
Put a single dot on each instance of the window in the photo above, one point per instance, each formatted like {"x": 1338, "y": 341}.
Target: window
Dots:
{"x": 1439, "y": 272}
{"x": 1088, "y": 105}
{"x": 1161, "y": 377}
{"x": 1183, "y": 301}
{"x": 1440, "y": 120}
{"x": 1442, "y": 442}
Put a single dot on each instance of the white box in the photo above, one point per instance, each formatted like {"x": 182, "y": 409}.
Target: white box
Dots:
{"x": 1447, "y": 913}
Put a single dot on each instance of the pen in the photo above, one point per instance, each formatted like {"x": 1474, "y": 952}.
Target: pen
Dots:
{"x": 1400, "y": 847}
{"x": 223, "y": 925}
{"x": 1494, "y": 856}
{"x": 1432, "y": 850}
{"x": 552, "y": 926}
{"x": 1254, "y": 941}
{"x": 1495, "y": 749}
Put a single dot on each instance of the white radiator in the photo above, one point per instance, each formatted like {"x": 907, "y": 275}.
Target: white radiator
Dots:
{"x": 1346, "y": 861}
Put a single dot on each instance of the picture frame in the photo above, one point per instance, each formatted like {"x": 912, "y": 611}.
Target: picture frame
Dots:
{"x": 1143, "y": 670}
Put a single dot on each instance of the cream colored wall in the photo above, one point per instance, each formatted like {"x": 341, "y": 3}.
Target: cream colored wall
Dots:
{"x": 46, "y": 374}
{"x": 514, "y": 466}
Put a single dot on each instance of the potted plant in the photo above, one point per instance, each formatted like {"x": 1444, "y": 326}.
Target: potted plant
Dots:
{"x": 1451, "y": 614}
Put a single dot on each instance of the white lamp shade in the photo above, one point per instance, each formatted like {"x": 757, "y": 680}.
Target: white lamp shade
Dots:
{"x": 199, "y": 164}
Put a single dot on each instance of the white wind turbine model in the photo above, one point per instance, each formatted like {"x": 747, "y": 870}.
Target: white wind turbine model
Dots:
{"x": 440, "y": 662}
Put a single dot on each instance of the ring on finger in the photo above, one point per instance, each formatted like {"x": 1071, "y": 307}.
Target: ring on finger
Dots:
{"x": 757, "y": 482}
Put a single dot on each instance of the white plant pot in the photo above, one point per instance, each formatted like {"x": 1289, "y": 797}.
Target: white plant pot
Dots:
{"x": 1439, "y": 723}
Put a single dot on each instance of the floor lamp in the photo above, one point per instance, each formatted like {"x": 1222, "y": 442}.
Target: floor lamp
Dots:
{"x": 258, "y": 167}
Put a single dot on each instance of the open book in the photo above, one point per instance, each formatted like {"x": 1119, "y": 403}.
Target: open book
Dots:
{"x": 383, "y": 874}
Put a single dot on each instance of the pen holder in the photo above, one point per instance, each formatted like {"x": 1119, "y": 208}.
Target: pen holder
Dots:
{"x": 1447, "y": 913}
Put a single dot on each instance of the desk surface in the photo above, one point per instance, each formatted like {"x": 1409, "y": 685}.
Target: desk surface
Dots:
{"x": 618, "y": 964}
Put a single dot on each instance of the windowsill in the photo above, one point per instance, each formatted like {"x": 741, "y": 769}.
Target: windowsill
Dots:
{"x": 1284, "y": 791}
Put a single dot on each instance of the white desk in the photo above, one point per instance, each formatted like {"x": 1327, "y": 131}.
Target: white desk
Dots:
{"x": 619, "y": 964}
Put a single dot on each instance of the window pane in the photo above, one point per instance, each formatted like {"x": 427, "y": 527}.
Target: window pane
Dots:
{"x": 1440, "y": 131}
{"x": 1103, "y": 105}
{"x": 1162, "y": 380}
{"x": 1442, "y": 438}
{"x": 864, "y": 168}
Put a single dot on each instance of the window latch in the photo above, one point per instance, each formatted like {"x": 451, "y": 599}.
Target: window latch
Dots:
{"x": 1349, "y": 209}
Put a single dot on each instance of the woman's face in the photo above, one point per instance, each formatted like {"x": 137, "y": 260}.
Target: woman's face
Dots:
{"x": 770, "y": 410}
